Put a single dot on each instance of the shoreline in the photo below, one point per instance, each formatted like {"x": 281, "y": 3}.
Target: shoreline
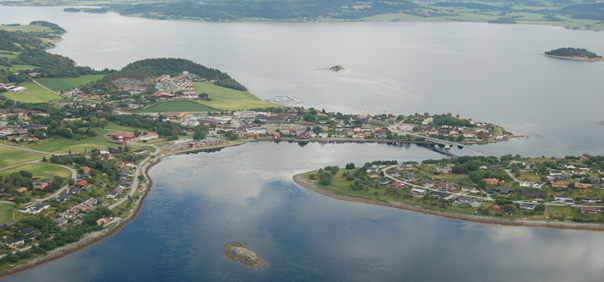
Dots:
{"x": 470, "y": 218}
{"x": 98, "y": 236}
{"x": 584, "y": 59}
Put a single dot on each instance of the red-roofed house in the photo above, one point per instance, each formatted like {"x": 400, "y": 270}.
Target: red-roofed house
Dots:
{"x": 491, "y": 181}
{"x": 81, "y": 183}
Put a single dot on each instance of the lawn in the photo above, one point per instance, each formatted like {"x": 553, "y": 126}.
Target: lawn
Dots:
{"x": 117, "y": 127}
{"x": 57, "y": 84}
{"x": 40, "y": 170}
{"x": 61, "y": 145}
{"x": 6, "y": 212}
{"x": 10, "y": 156}
{"x": 181, "y": 105}
{"x": 33, "y": 94}
{"x": 230, "y": 99}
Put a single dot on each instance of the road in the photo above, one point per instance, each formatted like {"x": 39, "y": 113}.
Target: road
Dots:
{"x": 134, "y": 186}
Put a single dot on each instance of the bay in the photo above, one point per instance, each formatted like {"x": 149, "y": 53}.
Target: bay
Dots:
{"x": 200, "y": 202}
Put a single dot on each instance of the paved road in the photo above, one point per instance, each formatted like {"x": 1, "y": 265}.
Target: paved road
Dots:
{"x": 134, "y": 186}
{"x": 74, "y": 175}
{"x": 30, "y": 150}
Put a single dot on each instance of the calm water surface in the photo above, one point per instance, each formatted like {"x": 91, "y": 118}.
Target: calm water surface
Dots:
{"x": 200, "y": 202}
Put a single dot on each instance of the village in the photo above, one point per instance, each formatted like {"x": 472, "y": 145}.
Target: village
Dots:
{"x": 513, "y": 188}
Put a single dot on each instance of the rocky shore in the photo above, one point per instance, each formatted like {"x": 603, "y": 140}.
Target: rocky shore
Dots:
{"x": 298, "y": 178}
{"x": 239, "y": 252}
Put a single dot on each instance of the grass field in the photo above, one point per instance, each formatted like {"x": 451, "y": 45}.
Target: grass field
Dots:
{"x": 181, "y": 105}
{"x": 64, "y": 145}
{"x": 26, "y": 28}
{"x": 33, "y": 94}
{"x": 230, "y": 99}
{"x": 12, "y": 55}
{"x": 40, "y": 170}
{"x": 116, "y": 127}
{"x": 57, "y": 84}
{"x": 6, "y": 212}
{"x": 10, "y": 156}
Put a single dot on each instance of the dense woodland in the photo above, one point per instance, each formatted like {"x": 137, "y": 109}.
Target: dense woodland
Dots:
{"x": 572, "y": 52}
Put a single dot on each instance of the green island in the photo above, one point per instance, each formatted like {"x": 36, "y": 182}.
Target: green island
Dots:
{"x": 578, "y": 54}
{"x": 553, "y": 192}
{"x": 76, "y": 143}
{"x": 580, "y": 14}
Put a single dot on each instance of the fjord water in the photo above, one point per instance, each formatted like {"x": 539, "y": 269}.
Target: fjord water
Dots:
{"x": 487, "y": 72}
{"x": 200, "y": 202}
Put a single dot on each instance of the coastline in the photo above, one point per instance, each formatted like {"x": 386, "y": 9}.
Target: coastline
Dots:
{"x": 584, "y": 59}
{"x": 470, "y": 218}
{"x": 98, "y": 236}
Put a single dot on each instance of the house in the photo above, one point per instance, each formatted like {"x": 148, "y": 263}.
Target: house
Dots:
{"x": 60, "y": 222}
{"x": 397, "y": 185}
{"x": 496, "y": 207}
{"x": 562, "y": 176}
{"x": 85, "y": 169}
{"x": 81, "y": 183}
{"x": 532, "y": 194}
{"x": 491, "y": 181}
{"x": 140, "y": 151}
{"x": 445, "y": 170}
{"x": 382, "y": 180}
{"x": 111, "y": 195}
{"x": 63, "y": 198}
{"x": 590, "y": 210}
{"x": 592, "y": 200}
{"x": 501, "y": 190}
{"x": 76, "y": 191}
{"x": 582, "y": 186}
{"x": 525, "y": 206}
{"x": 14, "y": 243}
{"x": 525, "y": 184}
{"x": 102, "y": 221}
{"x": 21, "y": 190}
{"x": 537, "y": 185}
{"x": 469, "y": 189}
{"x": 418, "y": 192}
{"x": 560, "y": 184}
{"x": 30, "y": 233}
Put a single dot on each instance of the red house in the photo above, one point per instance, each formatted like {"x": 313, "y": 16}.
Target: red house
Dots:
{"x": 81, "y": 183}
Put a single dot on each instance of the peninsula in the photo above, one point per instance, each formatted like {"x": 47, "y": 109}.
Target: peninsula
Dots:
{"x": 577, "y": 54}
{"x": 561, "y": 193}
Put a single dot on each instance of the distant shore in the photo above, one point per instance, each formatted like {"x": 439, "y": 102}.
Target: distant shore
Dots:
{"x": 298, "y": 178}
{"x": 585, "y": 59}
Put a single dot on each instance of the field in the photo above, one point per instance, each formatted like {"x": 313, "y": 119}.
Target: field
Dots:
{"x": 230, "y": 99}
{"x": 6, "y": 212}
{"x": 33, "y": 94}
{"x": 10, "y": 156}
{"x": 26, "y": 28}
{"x": 175, "y": 106}
{"x": 64, "y": 145}
{"x": 57, "y": 84}
{"x": 40, "y": 170}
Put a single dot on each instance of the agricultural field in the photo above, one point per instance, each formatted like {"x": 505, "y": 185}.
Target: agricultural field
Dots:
{"x": 40, "y": 170}
{"x": 6, "y": 212}
{"x": 175, "y": 106}
{"x": 62, "y": 145}
{"x": 10, "y": 156}
{"x": 230, "y": 99}
{"x": 57, "y": 84}
{"x": 33, "y": 94}
{"x": 127, "y": 129}
{"x": 26, "y": 28}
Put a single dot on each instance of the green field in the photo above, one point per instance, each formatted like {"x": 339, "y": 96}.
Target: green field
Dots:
{"x": 6, "y": 212}
{"x": 33, "y": 94}
{"x": 64, "y": 145}
{"x": 12, "y": 55}
{"x": 182, "y": 105}
{"x": 40, "y": 170}
{"x": 116, "y": 127}
{"x": 230, "y": 99}
{"x": 26, "y": 28}
{"x": 57, "y": 84}
{"x": 10, "y": 156}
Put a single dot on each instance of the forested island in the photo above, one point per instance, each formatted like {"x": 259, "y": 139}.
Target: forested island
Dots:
{"x": 574, "y": 54}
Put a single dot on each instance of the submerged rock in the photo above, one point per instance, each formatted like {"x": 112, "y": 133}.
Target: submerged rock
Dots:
{"x": 239, "y": 252}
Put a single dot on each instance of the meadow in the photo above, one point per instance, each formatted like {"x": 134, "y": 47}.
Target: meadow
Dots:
{"x": 182, "y": 105}
{"x": 33, "y": 94}
{"x": 57, "y": 84}
{"x": 230, "y": 99}
{"x": 40, "y": 170}
{"x": 10, "y": 156}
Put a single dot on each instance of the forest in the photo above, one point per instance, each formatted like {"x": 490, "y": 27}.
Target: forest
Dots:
{"x": 572, "y": 52}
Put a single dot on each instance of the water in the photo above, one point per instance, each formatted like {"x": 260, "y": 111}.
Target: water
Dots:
{"x": 487, "y": 72}
{"x": 200, "y": 202}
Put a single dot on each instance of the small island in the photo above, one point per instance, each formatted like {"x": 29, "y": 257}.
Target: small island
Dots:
{"x": 336, "y": 68}
{"x": 239, "y": 252}
{"x": 578, "y": 54}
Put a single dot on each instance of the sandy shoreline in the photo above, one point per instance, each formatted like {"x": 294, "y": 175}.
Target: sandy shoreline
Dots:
{"x": 98, "y": 236}
{"x": 471, "y": 218}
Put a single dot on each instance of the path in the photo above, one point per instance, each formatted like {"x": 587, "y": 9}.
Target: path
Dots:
{"x": 45, "y": 87}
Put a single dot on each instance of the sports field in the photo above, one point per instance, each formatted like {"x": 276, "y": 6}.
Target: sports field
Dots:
{"x": 33, "y": 94}
{"x": 10, "y": 156}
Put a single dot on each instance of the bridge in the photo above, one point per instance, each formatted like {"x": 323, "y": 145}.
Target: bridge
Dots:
{"x": 451, "y": 143}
